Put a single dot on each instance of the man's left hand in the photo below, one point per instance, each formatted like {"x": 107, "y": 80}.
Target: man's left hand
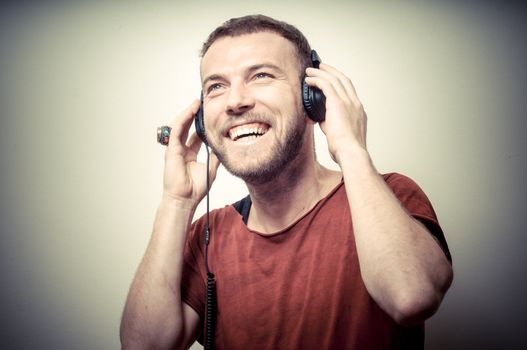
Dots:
{"x": 346, "y": 121}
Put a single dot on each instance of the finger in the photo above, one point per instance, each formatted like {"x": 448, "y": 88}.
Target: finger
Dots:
{"x": 341, "y": 84}
{"x": 335, "y": 83}
{"x": 194, "y": 143}
{"x": 329, "y": 90}
{"x": 344, "y": 79}
{"x": 181, "y": 125}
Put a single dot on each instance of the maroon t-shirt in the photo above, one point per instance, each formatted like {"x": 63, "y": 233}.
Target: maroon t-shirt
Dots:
{"x": 299, "y": 288}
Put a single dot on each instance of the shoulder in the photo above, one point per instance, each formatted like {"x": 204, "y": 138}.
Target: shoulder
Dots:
{"x": 411, "y": 196}
{"x": 406, "y": 189}
{"x": 398, "y": 180}
{"x": 228, "y": 213}
{"x": 418, "y": 205}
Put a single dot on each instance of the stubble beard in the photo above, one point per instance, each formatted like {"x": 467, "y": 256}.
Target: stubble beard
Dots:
{"x": 281, "y": 154}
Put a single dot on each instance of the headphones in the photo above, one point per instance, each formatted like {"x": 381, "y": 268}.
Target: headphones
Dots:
{"x": 313, "y": 100}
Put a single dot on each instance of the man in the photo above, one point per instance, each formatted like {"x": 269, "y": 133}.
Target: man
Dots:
{"x": 324, "y": 259}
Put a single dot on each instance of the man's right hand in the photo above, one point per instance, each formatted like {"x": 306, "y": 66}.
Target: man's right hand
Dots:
{"x": 155, "y": 317}
{"x": 185, "y": 178}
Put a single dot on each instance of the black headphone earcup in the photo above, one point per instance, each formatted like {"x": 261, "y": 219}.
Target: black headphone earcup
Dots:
{"x": 314, "y": 102}
{"x": 199, "y": 124}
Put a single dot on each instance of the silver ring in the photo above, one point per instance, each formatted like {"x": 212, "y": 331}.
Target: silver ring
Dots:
{"x": 163, "y": 134}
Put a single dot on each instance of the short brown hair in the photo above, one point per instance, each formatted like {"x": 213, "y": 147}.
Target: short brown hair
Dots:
{"x": 260, "y": 23}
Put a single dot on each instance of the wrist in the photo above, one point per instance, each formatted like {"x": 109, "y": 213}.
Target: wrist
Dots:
{"x": 352, "y": 152}
{"x": 180, "y": 204}
{"x": 356, "y": 160}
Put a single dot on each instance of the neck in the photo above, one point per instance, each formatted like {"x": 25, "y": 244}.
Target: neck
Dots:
{"x": 297, "y": 189}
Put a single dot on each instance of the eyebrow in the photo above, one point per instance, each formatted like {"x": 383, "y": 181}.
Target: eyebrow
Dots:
{"x": 250, "y": 69}
{"x": 212, "y": 77}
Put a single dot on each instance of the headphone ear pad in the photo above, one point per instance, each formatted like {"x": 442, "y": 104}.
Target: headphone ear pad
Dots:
{"x": 199, "y": 123}
{"x": 314, "y": 102}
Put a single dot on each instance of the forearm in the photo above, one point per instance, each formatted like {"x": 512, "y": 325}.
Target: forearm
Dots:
{"x": 402, "y": 266}
{"x": 404, "y": 269}
{"x": 153, "y": 314}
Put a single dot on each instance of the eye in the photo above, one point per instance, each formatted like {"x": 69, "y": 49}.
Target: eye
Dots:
{"x": 262, "y": 75}
{"x": 213, "y": 87}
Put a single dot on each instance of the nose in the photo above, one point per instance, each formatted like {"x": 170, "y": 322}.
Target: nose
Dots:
{"x": 239, "y": 100}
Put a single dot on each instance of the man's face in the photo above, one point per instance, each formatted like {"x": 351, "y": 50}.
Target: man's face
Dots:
{"x": 253, "y": 112}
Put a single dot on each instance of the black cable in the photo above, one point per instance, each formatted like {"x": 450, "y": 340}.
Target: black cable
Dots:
{"x": 210, "y": 321}
{"x": 210, "y": 316}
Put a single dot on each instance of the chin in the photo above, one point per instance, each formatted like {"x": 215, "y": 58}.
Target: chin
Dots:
{"x": 252, "y": 170}
{"x": 263, "y": 162}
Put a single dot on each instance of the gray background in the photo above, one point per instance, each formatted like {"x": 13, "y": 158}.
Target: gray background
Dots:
{"x": 84, "y": 85}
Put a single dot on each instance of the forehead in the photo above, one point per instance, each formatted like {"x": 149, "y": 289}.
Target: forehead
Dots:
{"x": 231, "y": 53}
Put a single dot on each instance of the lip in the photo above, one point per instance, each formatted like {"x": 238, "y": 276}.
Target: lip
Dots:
{"x": 246, "y": 141}
{"x": 239, "y": 123}
{"x": 251, "y": 124}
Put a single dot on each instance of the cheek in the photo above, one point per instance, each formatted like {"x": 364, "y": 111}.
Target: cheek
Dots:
{"x": 285, "y": 94}
{"x": 284, "y": 102}
{"x": 212, "y": 110}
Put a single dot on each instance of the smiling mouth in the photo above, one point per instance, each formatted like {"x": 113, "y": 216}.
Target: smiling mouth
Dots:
{"x": 248, "y": 131}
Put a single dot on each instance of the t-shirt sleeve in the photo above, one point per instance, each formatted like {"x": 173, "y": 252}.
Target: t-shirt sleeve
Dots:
{"x": 418, "y": 205}
{"x": 193, "y": 281}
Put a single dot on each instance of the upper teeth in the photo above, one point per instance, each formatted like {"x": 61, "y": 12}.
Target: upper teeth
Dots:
{"x": 245, "y": 130}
